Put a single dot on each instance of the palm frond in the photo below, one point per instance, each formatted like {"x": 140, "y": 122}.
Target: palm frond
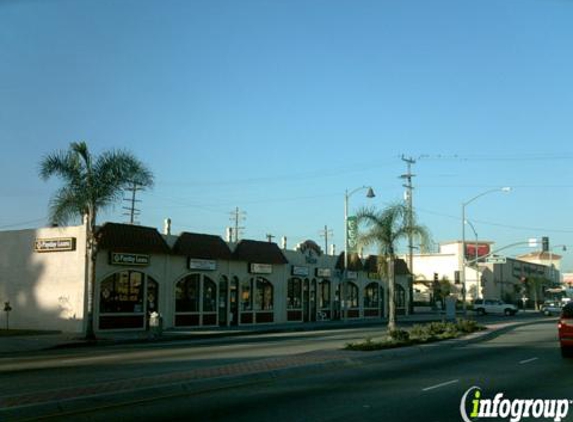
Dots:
{"x": 66, "y": 205}
{"x": 90, "y": 183}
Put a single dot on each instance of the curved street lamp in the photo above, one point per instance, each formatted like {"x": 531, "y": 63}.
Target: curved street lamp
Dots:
{"x": 369, "y": 194}
{"x": 464, "y": 261}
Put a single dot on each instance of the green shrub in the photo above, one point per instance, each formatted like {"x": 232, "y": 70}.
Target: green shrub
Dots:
{"x": 399, "y": 335}
{"x": 420, "y": 332}
{"x": 467, "y": 326}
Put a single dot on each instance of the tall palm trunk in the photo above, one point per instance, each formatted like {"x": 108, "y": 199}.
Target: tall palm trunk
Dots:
{"x": 391, "y": 294}
{"x": 91, "y": 257}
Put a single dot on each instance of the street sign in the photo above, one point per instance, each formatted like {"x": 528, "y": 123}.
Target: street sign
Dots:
{"x": 496, "y": 260}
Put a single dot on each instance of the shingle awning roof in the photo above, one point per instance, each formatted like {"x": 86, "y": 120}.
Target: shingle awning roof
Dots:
{"x": 371, "y": 264}
{"x": 130, "y": 238}
{"x": 400, "y": 266}
{"x": 354, "y": 262}
{"x": 259, "y": 252}
{"x": 202, "y": 246}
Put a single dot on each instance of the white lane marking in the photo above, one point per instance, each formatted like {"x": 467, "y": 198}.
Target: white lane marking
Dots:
{"x": 523, "y": 362}
{"x": 433, "y": 387}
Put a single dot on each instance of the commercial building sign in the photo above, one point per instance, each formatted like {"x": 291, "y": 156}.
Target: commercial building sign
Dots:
{"x": 324, "y": 272}
{"x": 202, "y": 264}
{"x": 59, "y": 244}
{"x": 119, "y": 258}
{"x": 483, "y": 249}
{"x": 261, "y": 268}
{"x": 352, "y": 234}
{"x": 299, "y": 271}
{"x": 352, "y": 275}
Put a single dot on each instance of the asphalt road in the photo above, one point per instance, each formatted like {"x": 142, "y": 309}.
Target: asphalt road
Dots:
{"x": 523, "y": 364}
{"x": 79, "y": 367}
{"x": 428, "y": 386}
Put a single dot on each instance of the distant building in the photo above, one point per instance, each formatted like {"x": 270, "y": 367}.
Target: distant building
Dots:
{"x": 521, "y": 280}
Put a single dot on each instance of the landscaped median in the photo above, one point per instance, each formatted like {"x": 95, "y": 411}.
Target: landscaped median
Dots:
{"x": 418, "y": 334}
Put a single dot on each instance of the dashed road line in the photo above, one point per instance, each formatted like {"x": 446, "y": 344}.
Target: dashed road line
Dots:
{"x": 433, "y": 387}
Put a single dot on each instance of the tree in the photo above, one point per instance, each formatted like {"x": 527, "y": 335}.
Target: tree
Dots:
{"x": 384, "y": 229}
{"x": 442, "y": 289}
{"x": 91, "y": 183}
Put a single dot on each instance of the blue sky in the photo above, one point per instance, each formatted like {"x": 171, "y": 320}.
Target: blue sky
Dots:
{"x": 278, "y": 107}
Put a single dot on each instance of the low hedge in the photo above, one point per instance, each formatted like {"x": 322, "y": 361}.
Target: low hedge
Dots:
{"x": 419, "y": 334}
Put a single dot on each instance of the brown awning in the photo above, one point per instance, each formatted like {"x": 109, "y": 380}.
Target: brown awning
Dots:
{"x": 259, "y": 252}
{"x": 354, "y": 262}
{"x": 371, "y": 265}
{"x": 130, "y": 238}
{"x": 400, "y": 267}
{"x": 202, "y": 246}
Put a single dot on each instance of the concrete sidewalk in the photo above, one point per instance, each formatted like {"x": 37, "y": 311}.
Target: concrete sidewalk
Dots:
{"x": 12, "y": 345}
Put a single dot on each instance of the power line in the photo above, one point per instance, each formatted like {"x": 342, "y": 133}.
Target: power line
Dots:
{"x": 23, "y": 223}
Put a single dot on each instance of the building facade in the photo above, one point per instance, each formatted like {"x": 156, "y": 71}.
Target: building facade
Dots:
{"x": 524, "y": 280}
{"x": 192, "y": 280}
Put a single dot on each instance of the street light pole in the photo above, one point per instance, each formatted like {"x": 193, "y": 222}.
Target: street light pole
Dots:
{"x": 478, "y": 280}
{"x": 464, "y": 260}
{"x": 369, "y": 194}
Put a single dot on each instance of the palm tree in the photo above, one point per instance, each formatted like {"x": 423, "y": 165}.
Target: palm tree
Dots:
{"x": 385, "y": 229}
{"x": 91, "y": 183}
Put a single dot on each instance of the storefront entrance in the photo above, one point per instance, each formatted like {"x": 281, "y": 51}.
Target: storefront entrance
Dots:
{"x": 309, "y": 300}
{"x": 223, "y": 302}
{"x": 234, "y": 301}
{"x": 126, "y": 299}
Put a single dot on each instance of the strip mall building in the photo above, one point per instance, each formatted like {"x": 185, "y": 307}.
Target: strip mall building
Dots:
{"x": 191, "y": 280}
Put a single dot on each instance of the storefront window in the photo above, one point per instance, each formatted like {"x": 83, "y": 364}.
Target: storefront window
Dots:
{"x": 324, "y": 294}
{"x": 264, "y": 295}
{"x": 152, "y": 295}
{"x": 209, "y": 295}
{"x": 246, "y": 296}
{"x": 122, "y": 293}
{"x": 371, "y": 297}
{"x": 294, "y": 293}
{"x": 400, "y": 295}
{"x": 187, "y": 294}
{"x": 352, "y": 295}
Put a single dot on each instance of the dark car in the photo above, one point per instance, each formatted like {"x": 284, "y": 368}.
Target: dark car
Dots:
{"x": 565, "y": 327}
{"x": 551, "y": 307}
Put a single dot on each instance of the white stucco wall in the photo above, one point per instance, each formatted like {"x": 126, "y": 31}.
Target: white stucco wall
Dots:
{"x": 45, "y": 289}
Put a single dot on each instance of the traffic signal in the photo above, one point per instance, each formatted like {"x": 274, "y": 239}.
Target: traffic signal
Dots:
{"x": 545, "y": 244}
{"x": 436, "y": 277}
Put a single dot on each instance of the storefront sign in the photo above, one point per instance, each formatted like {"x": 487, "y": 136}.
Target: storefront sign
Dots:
{"x": 202, "y": 264}
{"x": 324, "y": 272}
{"x": 352, "y": 234}
{"x": 117, "y": 258}
{"x": 261, "y": 268}
{"x": 483, "y": 249}
{"x": 300, "y": 271}
{"x": 352, "y": 275}
{"x": 56, "y": 245}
